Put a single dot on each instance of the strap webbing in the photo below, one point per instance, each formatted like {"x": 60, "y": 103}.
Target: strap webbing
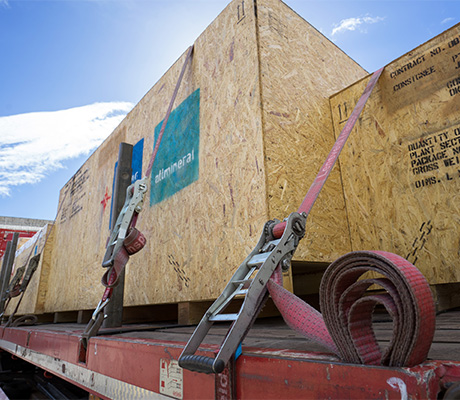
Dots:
{"x": 346, "y": 329}
{"x": 110, "y": 278}
{"x": 331, "y": 159}
{"x": 135, "y": 240}
{"x": 168, "y": 112}
{"x": 28, "y": 277}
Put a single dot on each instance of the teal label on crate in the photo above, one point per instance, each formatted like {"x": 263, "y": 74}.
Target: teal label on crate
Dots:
{"x": 177, "y": 162}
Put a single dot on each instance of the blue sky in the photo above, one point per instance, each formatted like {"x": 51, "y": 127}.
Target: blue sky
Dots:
{"x": 71, "y": 69}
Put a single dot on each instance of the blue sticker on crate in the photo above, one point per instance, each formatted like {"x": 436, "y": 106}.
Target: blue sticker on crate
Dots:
{"x": 177, "y": 162}
{"x": 113, "y": 190}
{"x": 136, "y": 168}
{"x": 136, "y": 164}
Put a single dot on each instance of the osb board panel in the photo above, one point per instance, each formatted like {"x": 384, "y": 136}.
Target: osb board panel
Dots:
{"x": 200, "y": 235}
{"x": 197, "y": 237}
{"x": 300, "y": 69}
{"x": 22, "y": 241}
{"x": 81, "y": 231}
{"x": 401, "y": 166}
{"x": 43, "y": 274}
{"x": 40, "y": 243}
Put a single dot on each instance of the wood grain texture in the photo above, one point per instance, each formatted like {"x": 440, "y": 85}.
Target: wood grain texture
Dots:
{"x": 197, "y": 237}
{"x": 41, "y": 243}
{"x": 265, "y": 128}
{"x": 300, "y": 69}
{"x": 400, "y": 167}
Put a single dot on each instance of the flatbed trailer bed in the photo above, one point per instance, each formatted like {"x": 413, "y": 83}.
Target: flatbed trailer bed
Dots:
{"x": 140, "y": 361}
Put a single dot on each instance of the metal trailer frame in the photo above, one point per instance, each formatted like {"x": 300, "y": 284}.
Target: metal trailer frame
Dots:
{"x": 128, "y": 367}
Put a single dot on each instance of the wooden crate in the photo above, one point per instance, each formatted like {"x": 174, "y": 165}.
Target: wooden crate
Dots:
{"x": 34, "y": 297}
{"x": 259, "y": 85}
{"x": 401, "y": 165}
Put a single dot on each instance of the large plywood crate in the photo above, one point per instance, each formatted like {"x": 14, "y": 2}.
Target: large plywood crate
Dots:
{"x": 401, "y": 165}
{"x": 250, "y": 129}
{"x": 33, "y": 300}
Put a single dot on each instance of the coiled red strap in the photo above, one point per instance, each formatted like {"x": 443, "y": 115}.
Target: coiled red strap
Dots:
{"x": 298, "y": 315}
{"x": 133, "y": 243}
{"x": 345, "y": 327}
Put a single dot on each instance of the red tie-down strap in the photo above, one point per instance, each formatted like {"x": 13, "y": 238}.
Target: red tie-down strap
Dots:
{"x": 133, "y": 243}
{"x": 345, "y": 327}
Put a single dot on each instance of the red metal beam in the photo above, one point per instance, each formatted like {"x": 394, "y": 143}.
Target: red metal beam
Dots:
{"x": 296, "y": 378}
{"x": 144, "y": 368}
{"x": 139, "y": 362}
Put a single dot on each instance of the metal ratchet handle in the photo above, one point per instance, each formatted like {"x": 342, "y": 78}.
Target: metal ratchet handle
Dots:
{"x": 265, "y": 258}
{"x": 15, "y": 282}
{"x": 133, "y": 204}
{"x": 119, "y": 231}
{"x": 95, "y": 322}
{"x": 126, "y": 219}
{"x": 207, "y": 365}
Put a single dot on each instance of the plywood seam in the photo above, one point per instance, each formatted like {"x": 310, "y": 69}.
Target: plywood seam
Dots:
{"x": 345, "y": 89}
{"x": 336, "y": 134}
{"x": 420, "y": 46}
{"x": 397, "y": 59}
{"x": 400, "y": 172}
{"x": 313, "y": 27}
{"x": 261, "y": 108}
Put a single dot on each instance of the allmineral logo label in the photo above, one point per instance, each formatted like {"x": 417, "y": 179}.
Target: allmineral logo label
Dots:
{"x": 181, "y": 163}
{"x": 177, "y": 163}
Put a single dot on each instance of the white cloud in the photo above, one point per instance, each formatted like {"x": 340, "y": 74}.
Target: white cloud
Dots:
{"x": 34, "y": 144}
{"x": 445, "y": 21}
{"x": 4, "y": 3}
{"x": 352, "y": 24}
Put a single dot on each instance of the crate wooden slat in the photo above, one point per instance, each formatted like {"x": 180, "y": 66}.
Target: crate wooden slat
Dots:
{"x": 400, "y": 167}
{"x": 263, "y": 81}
